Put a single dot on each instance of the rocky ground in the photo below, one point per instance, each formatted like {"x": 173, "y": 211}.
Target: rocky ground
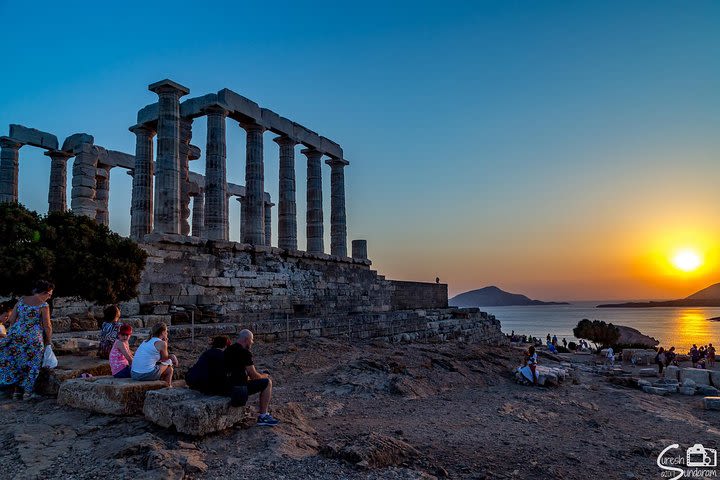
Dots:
{"x": 377, "y": 410}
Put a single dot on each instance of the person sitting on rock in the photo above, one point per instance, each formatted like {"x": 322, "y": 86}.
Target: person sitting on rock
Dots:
{"x": 152, "y": 360}
{"x": 109, "y": 331}
{"x": 242, "y": 373}
{"x": 208, "y": 375}
{"x": 532, "y": 361}
{"x": 610, "y": 357}
{"x": 120, "y": 356}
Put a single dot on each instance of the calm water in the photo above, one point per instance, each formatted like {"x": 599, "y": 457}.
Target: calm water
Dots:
{"x": 671, "y": 325}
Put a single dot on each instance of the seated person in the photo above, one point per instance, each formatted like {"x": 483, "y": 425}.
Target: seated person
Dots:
{"x": 120, "y": 356}
{"x": 109, "y": 330}
{"x": 208, "y": 374}
{"x": 241, "y": 370}
{"x": 152, "y": 360}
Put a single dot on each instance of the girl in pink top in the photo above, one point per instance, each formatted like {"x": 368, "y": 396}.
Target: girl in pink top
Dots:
{"x": 120, "y": 355}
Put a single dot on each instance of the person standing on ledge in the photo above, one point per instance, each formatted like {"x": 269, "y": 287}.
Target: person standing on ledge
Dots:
{"x": 437, "y": 279}
{"x": 241, "y": 369}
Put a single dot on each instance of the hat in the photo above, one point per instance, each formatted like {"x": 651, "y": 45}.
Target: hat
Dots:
{"x": 125, "y": 329}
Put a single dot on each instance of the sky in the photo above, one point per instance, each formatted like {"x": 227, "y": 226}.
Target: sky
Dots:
{"x": 560, "y": 149}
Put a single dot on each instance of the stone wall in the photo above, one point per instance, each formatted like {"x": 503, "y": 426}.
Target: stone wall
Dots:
{"x": 408, "y": 295}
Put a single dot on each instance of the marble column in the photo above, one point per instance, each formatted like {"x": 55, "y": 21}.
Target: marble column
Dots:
{"x": 216, "y": 202}
{"x": 314, "y": 222}
{"x": 359, "y": 249}
{"x": 243, "y": 214}
{"x": 102, "y": 195}
{"x": 254, "y": 220}
{"x": 198, "y": 215}
{"x": 9, "y": 162}
{"x": 185, "y": 137}
{"x": 57, "y": 195}
{"x": 141, "y": 211}
{"x": 268, "y": 222}
{"x": 84, "y": 181}
{"x": 287, "y": 209}
{"x": 338, "y": 223}
{"x": 167, "y": 176}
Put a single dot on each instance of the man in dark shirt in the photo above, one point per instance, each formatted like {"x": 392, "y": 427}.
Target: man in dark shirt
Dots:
{"x": 241, "y": 370}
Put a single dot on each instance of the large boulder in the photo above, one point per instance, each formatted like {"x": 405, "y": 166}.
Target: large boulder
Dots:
{"x": 108, "y": 395}
{"x": 69, "y": 367}
{"x": 699, "y": 375}
{"x": 191, "y": 412}
{"x": 632, "y": 336}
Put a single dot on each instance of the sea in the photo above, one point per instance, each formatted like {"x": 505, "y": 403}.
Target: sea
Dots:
{"x": 672, "y": 326}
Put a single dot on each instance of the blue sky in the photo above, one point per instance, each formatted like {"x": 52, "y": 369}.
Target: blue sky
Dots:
{"x": 540, "y": 146}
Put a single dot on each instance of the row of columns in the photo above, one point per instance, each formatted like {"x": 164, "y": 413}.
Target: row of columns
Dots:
{"x": 171, "y": 204}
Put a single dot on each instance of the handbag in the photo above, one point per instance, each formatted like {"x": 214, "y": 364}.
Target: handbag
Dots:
{"x": 49, "y": 358}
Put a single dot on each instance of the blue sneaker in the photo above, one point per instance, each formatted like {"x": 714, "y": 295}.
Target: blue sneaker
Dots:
{"x": 267, "y": 420}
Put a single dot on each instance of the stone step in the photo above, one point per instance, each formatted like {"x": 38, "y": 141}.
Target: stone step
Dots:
{"x": 108, "y": 395}
{"x": 655, "y": 390}
{"x": 69, "y": 367}
{"x": 711, "y": 403}
{"x": 192, "y": 413}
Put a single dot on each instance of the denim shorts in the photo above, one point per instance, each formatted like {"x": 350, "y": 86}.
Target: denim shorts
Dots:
{"x": 150, "y": 376}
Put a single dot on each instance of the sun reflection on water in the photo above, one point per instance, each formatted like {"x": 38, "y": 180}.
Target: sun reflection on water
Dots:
{"x": 692, "y": 327}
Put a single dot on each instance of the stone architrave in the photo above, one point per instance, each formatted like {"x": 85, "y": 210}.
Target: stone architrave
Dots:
{"x": 9, "y": 162}
{"x": 184, "y": 149}
{"x": 198, "y": 215}
{"x": 216, "y": 202}
{"x": 254, "y": 204}
{"x": 268, "y": 223}
{"x": 84, "y": 180}
{"x": 102, "y": 195}
{"x": 338, "y": 223}
{"x": 141, "y": 212}
{"x": 167, "y": 176}
{"x": 57, "y": 195}
{"x": 314, "y": 222}
{"x": 287, "y": 208}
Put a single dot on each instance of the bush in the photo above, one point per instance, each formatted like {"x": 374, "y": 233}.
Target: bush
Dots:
{"x": 598, "y": 332}
{"x": 82, "y": 258}
{"x": 572, "y": 346}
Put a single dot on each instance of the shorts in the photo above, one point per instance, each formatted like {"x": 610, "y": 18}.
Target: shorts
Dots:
{"x": 124, "y": 373}
{"x": 150, "y": 376}
{"x": 257, "y": 386}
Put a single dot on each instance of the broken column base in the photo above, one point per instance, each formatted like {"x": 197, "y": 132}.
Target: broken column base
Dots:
{"x": 192, "y": 413}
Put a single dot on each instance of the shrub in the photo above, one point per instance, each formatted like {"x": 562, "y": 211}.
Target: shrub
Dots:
{"x": 598, "y": 332}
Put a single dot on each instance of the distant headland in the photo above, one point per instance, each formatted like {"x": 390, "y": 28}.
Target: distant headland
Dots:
{"x": 494, "y": 297}
{"x": 707, "y": 297}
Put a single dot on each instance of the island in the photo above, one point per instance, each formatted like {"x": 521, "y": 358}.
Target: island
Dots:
{"x": 493, "y": 296}
{"x": 707, "y": 297}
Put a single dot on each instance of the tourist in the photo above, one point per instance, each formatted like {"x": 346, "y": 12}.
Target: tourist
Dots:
{"x": 551, "y": 347}
{"x": 610, "y": 357}
{"x": 694, "y": 354}
{"x": 109, "y": 331}
{"x": 241, "y": 370}
{"x": 120, "y": 355}
{"x": 565, "y": 342}
{"x": 21, "y": 351}
{"x": 670, "y": 357}
{"x": 152, "y": 361}
{"x": 532, "y": 361}
{"x": 660, "y": 360}
{"x": 6, "y": 309}
{"x": 711, "y": 356}
{"x": 548, "y": 338}
{"x": 554, "y": 340}
{"x": 208, "y": 375}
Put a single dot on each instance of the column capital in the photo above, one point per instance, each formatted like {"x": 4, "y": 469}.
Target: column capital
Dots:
{"x": 251, "y": 126}
{"x": 269, "y": 204}
{"x": 168, "y": 86}
{"x": 311, "y": 153}
{"x": 59, "y": 154}
{"x": 143, "y": 129}
{"x": 216, "y": 109}
{"x": 285, "y": 141}
{"x": 337, "y": 162}
{"x": 7, "y": 142}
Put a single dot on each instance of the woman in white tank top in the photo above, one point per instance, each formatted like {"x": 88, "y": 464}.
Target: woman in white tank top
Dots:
{"x": 152, "y": 361}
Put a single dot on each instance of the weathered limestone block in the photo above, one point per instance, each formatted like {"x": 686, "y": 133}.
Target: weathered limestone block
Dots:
{"x": 34, "y": 137}
{"x": 647, "y": 372}
{"x": 687, "y": 390}
{"x": 108, "y": 395}
{"x": 715, "y": 378}
{"x": 69, "y": 367}
{"x": 191, "y": 412}
{"x": 707, "y": 390}
{"x": 711, "y": 403}
{"x": 75, "y": 140}
{"x": 698, "y": 375}
{"x": 655, "y": 390}
{"x": 673, "y": 373}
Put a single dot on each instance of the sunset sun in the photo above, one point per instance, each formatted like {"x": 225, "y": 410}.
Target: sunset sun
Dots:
{"x": 687, "y": 260}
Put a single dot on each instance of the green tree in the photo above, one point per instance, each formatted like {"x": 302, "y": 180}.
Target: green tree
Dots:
{"x": 598, "y": 332}
{"x": 83, "y": 259}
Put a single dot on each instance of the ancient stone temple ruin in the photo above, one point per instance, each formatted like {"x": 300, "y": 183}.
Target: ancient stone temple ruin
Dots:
{"x": 193, "y": 269}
